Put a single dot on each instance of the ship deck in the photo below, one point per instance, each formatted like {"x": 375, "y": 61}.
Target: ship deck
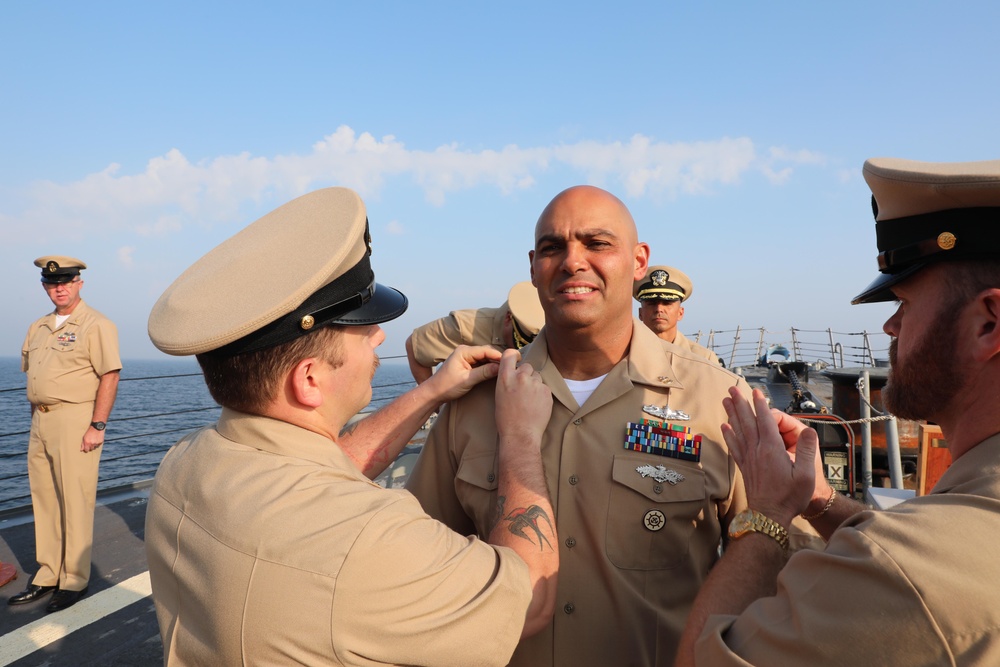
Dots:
{"x": 115, "y": 624}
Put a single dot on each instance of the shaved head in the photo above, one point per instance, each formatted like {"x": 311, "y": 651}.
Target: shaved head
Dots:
{"x": 600, "y": 203}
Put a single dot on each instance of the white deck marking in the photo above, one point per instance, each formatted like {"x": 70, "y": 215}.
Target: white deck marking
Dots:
{"x": 33, "y": 636}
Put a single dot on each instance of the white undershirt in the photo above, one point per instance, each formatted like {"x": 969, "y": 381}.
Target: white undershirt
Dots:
{"x": 60, "y": 319}
{"x": 582, "y": 389}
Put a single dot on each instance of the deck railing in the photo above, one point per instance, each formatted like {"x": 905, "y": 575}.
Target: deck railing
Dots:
{"x": 143, "y": 430}
{"x": 745, "y": 347}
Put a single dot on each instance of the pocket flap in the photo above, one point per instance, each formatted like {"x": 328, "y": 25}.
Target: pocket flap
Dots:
{"x": 689, "y": 481}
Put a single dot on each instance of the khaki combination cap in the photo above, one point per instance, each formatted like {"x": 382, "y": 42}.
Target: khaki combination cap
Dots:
{"x": 928, "y": 212}
{"x": 299, "y": 268}
{"x": 525, "y": 308}
{"x": 663, "y": 282}
{"x": 59, "y": 268}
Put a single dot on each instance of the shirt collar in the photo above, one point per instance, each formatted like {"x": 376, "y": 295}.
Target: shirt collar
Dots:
{"x": 283, "y": 439}
{"x": 647, "y": 363}
{"x": 980, "y": 461}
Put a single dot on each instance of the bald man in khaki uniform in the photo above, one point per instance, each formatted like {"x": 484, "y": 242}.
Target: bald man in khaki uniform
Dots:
{"x": 916, "y": 584}
{"x": 268, "y": 542}
{"x": 509, "y": 327}
{"x": 71, "y": 360}
{"x": 661, "y": 293}
{"x": 642, "y": 482}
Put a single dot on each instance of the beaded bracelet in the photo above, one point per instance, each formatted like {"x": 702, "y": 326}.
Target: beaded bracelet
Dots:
{"x": 829, "y": 504}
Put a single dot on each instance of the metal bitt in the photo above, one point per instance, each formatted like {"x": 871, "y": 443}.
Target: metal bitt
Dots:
{"x": 866, "y": 435}
{"x": 891, "y": 441}
{"x": 892, "y": 449}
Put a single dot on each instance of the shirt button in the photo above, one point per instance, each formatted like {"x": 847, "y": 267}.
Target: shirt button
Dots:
{"x": 570, "y": 542}
{"x": 569, "y": 608}
{"x": 490, "y": 477}
{"x": 578, "y": 422}
{"x": 573, "y": 479}
{"x": 658, "y": 488}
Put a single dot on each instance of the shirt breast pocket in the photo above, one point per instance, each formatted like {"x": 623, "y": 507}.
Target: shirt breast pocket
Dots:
{"x": 650, "y": 523}
{"x": 476, "y": 486}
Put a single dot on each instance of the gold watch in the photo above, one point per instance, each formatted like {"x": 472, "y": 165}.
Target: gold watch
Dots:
{"x": 750, "y": 521}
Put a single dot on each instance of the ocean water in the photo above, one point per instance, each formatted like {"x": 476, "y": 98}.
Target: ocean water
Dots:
{"x": 158, "y": 402}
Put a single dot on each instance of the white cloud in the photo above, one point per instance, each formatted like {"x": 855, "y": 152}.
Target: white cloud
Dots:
{"x": 394, "y": 228}
{"x": 125, "y": 256}
{"x": 172, "y": 192}
{"x": 798, "y": 157}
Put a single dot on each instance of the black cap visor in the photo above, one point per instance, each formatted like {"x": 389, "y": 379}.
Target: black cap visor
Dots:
{"x": 59, "y": 278}
{"x": 386, "y": 303}
{"x": 880, "y": 289}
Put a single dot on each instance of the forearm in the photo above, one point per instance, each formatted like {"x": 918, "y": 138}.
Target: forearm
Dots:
{"x": 525, "y": 522}
{"x": 107, "y": 391}
{"x": 375, "y": 441}
{"x": 420, "y": 372}
{"x": 748, "y": 571}
{"x": 840, "y": 510}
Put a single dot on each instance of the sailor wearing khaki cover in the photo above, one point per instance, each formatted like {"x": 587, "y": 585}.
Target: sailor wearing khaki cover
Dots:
{"x": 267, "y": 541}
{"x": 71, "y": 360}
{"x": 511, "y": 326}
{"x": 660, "y": 294}
{"x": 916, "y": 584}
{"x": 638, "y": 528}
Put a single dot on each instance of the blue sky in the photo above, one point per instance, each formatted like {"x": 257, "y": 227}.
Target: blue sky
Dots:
{"x": 137, "y": 136}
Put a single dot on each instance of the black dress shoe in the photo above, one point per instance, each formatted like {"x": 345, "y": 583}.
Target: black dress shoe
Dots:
{"x": 62, "y": 599}
{"x": 30, "y": 594}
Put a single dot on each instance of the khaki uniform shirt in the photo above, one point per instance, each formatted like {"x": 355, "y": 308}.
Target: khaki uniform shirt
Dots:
{"x": 267, "y": 546}
{"x": 434, "y": 341}
{"x": 633, "y": 550}
{"x": 917, "y": 584}
{"x": 695, "y": 348}
{"x": 65, "y": 365}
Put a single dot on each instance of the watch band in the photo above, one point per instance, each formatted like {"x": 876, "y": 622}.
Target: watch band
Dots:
{"x": 100, "y": 426}
{"x": 751, "y": 521}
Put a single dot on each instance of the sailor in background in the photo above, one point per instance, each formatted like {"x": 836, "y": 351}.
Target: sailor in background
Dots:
{"x": 641, "y": 478}
{"x": 71, "y": 360}
{"x": 660, "y": 294}
{"x": 267, "y": 541}
{"x": 511, "y": 326}
{"x": 916, "y": 584}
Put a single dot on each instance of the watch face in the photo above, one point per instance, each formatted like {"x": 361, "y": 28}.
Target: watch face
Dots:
{"x": 100, "y": 426}
{"x": 741, "y": 523}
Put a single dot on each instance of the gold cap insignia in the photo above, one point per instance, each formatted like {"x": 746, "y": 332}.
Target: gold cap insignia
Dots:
{"x": 946, "y": 240}
{"x": 659, "y": 278}
{"x": 51, "y": 267}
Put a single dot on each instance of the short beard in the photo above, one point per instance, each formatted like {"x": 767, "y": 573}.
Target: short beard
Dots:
{"x": 928, "y": 382}
{"x": 375, "y": 365}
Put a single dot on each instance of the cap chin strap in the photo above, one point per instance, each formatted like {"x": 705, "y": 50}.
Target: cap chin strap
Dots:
{"x": 961, "y": 232}
{"x": 520, "y": 337}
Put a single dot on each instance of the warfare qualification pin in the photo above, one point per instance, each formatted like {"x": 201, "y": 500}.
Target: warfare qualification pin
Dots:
{"x": 666, "y": 413}
{"x": 660, "y": 474}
